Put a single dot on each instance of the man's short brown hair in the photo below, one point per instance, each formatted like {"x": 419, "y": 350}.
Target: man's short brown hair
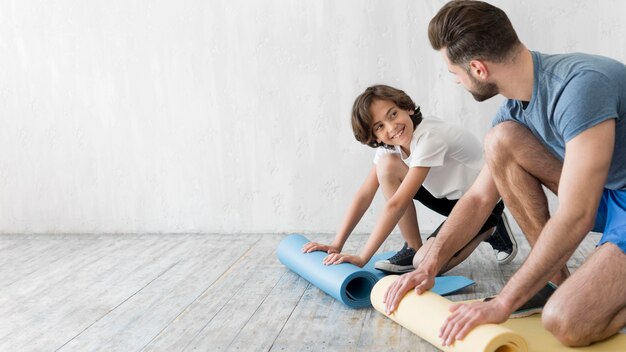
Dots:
{"x": 472, "y": 30}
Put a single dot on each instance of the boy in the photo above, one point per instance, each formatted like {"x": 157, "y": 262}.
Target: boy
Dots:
{"x": 424, "y": 159}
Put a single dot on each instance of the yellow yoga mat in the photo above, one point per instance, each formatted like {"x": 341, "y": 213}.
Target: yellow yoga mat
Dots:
{"x": 424, "y": 315}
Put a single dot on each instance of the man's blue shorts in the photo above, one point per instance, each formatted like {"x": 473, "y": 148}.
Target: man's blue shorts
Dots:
{"x": 611, "y": 218}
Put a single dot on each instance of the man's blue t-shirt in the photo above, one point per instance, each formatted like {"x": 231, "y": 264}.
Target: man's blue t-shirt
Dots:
{"x": 571, "y": 93}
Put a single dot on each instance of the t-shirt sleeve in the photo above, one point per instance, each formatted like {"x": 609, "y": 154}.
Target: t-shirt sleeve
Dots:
{"x": 429, "y": 150}
{"x": 381, "y": 151}
{"x": 505, "y": 113}
{"x": 586, "y": 100}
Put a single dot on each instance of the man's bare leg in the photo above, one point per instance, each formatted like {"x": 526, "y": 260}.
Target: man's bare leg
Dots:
{"x": 391, "y": 170}
{"x": 591, "y": 305}
{"x": 520, "y": 165}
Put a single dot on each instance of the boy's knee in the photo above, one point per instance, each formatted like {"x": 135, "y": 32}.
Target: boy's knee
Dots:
{"x": 419, "y": 256}
{"x": 389, "y": 167}
{"x": 562, "y": 322}
{"x": 416, "y": 261}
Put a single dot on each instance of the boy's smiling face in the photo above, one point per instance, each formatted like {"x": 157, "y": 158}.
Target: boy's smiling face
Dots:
{"x": 390, "y": 124}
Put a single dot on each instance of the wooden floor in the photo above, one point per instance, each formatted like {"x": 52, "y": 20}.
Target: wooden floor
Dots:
{"x": 197, "y": 292}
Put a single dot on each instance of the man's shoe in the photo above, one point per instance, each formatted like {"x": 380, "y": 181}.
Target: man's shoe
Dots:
{"x": 399, "y": 263}
{"x": 503, "y": 242}
{"x": 535, "y": 304}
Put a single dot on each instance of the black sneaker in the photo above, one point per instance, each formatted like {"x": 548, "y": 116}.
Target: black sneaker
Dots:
{"x": 399, "y": 263}
{"x": 535, "y": 304}
{"x": 503, "y": 242}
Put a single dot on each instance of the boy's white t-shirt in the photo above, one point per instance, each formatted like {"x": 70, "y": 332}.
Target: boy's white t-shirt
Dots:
{"x": 453, "y": 155}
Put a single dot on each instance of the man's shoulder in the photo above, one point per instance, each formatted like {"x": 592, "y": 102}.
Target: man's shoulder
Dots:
{"x": 564, "y": 67}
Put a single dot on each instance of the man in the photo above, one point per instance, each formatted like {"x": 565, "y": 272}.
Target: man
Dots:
{"x": 562, "y": 126}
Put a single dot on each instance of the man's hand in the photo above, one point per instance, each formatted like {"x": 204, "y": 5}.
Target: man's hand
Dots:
{"x": 465, "y": 317}
{"x": 337, "y": 258}
{"x": 419, "y": 279}
{"x": 314, "y": 246}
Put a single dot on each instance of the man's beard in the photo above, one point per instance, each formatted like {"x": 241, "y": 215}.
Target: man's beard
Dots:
{"x": 483, "y": 91}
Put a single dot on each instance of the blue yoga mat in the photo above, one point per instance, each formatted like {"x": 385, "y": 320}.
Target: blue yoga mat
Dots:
{"x": 347, "y": 282}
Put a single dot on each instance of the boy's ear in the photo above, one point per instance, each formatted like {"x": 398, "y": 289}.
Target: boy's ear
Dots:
{"x": 411, "y": 112}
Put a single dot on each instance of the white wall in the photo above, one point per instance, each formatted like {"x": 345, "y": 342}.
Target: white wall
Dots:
{"x": 224, "y": 116}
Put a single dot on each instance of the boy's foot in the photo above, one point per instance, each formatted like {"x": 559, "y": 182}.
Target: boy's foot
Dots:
{"x": 535, "y": 304}
{"x": 503, "y": 241}
{"x": 399, "y": 263}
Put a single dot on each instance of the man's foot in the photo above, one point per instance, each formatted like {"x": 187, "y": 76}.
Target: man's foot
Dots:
{"x": 535, "y": 304}
{"x": 503, "y": 242}
{"x": 399, "y": 263}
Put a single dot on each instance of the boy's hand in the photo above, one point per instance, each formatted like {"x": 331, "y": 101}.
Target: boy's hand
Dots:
{"x": 314, "y": 246}
{"x": 337, "y": 258}
{"x": 419, "y": 279}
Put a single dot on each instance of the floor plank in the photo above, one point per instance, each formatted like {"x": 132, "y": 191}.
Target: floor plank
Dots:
{"x": 142, "y": 316}
{"x": 197, "y": 292}
{"x": 81, "y": 289}
{"x": 252, "y": 279}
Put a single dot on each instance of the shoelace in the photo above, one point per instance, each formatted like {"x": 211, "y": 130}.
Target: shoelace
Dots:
{"x": 405, "y": 249}
{"x": 497, "y": 242}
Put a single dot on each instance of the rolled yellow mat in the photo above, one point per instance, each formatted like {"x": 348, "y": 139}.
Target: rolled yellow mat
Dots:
{"x": 424, "y": 315}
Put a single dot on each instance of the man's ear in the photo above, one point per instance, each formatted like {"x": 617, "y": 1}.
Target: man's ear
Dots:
{"x": 479, "y": 69}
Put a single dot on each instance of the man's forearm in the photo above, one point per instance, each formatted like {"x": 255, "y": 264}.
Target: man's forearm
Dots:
{"x": 467, "y": 218}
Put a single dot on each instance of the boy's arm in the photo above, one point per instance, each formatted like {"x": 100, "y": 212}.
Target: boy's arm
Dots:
{"x": 392, "y": 212}
{"x": 360, "y": 204}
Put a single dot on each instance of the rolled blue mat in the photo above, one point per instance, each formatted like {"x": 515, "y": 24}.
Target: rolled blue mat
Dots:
{"x": 347, "y": 282}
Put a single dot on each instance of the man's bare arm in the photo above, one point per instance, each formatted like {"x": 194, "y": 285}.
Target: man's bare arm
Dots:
{"x": 467, "y": 217}
{"x": 587, "y": 161}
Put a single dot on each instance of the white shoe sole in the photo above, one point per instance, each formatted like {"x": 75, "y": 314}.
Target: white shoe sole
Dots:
{"x": 511, "y": 256}
{"x": 392, "y": 268}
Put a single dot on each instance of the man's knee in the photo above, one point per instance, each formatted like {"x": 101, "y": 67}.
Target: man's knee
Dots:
{"x": 390, "y": 168}
{"x": 565, "y": 324}
{"x": 500, "y": 141}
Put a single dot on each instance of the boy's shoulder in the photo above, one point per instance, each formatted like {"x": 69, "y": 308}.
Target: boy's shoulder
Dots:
{"x": 435, "y": 125}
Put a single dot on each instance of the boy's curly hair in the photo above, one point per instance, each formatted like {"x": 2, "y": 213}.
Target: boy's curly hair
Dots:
{"x": 362, "y": 119}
